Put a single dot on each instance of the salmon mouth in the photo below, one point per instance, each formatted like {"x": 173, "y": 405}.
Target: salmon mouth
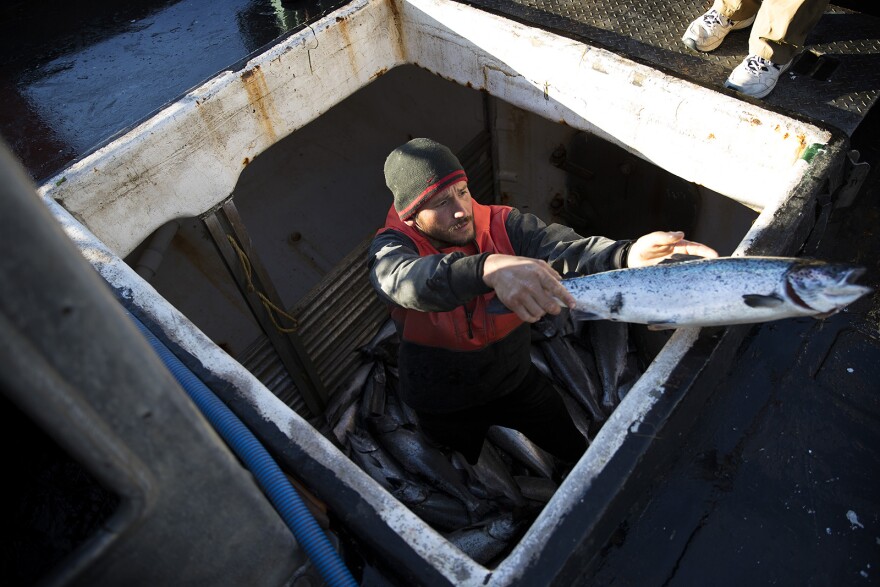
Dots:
{"x": 848, "y": 286}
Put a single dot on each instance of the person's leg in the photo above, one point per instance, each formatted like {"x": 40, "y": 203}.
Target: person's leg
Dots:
{"x": 782, "y": 26}
{"x": 536, "y": 409}
{"x": 737, "y": 10}
{"x": 708, "y": 31}
{"x": 777, "y": 36}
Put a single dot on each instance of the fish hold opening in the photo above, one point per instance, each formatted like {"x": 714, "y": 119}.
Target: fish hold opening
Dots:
{"x": 486, "y": 507}
{"x": 307, "y": 208}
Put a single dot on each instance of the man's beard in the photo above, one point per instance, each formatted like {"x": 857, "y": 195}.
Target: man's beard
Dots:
{"x": 453, "y": 237}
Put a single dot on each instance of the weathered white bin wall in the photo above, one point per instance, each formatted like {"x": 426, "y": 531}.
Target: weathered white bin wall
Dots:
{"x": 732, "y": 147}
{"x": 427, "y": 542}
{"x": 188, "y": 157}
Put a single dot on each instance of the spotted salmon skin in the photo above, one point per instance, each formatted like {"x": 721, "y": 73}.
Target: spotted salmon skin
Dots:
{"x": 717, "y": 292}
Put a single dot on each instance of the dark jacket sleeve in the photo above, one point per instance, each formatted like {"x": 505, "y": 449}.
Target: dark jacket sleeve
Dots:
{"x": 436, "y": 283}
{"x": 569, "y": 253}
{"x": 439, "y": 283}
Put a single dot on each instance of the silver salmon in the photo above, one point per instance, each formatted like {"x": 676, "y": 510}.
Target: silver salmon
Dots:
{"x": 717, "y": 292}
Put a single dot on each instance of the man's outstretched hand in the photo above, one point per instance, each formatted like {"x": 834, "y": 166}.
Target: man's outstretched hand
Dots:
{"x": 529, "y": 287}
{"x": 656, "y": 246}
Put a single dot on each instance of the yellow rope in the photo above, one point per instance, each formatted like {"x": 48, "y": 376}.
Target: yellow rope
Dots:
{"x": 271, "y": 308}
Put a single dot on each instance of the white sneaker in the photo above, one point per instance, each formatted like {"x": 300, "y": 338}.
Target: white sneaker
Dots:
{"x": 755, "y": 76}
{"x": 707, "y": 32}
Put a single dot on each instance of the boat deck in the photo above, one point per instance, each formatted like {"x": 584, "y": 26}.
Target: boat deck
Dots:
{"x": 834, "y": 81}
{"x": 777, "y": 480}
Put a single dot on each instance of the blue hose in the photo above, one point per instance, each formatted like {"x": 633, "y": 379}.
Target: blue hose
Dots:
{"x": 281, "y": 493}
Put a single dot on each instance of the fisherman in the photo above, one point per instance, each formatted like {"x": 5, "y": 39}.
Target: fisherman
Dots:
{"x": 439, "y": 261}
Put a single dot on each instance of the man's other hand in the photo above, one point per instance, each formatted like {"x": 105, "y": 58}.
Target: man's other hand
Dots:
{"x": 529, "y": 287}
{"x": 656, "y": 246}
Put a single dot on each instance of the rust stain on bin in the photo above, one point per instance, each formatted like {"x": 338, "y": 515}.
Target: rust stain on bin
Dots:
{"x": 802, "y": 145}
{"x": 343, "y": 28}
{"x": 258, "y": 96}
{"x": 397, "y": 21}
{"x": 779, "y": 128}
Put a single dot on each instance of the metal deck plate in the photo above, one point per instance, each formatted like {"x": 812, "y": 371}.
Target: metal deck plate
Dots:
{"x": 835, "y": 81}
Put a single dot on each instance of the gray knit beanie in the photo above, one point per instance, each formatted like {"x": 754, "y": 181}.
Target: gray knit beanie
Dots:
{"x": 416, "y": 171}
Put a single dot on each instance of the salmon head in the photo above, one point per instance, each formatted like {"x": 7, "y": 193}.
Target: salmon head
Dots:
{"x": 825, "y": 288}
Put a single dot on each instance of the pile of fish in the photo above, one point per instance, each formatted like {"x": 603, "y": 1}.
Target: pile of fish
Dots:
{"x": 482, "y": 509}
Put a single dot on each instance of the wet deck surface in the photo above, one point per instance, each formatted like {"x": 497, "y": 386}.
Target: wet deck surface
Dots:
{"x": 776, "y": 483}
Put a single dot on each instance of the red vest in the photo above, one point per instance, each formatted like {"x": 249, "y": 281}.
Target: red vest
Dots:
{"x": 464, "y": 328}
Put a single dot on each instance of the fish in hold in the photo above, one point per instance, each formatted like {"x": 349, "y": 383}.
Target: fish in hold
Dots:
{"x": 346, "y": 423}
{"x": 610, "y": 344}
{"x": 347, "y": 394}
{"x": 578, "y": 416}
{"x": 484, "y": 542}
{"x": 576, "y": 376}
{"x": 430, "y": 464}
{"x": 517, "y": 445}
{"x": 437, "y": 508}
{"x": 491, "y": 472}
{"x": 717, "y": 292}
{"x": 536, "y": 488}
{"x": 373, "y": 459}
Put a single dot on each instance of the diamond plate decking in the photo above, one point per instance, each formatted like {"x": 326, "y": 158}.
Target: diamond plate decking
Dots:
{"x": 835, "y": 81}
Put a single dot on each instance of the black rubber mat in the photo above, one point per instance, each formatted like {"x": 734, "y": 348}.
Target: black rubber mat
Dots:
{"x": 834, "y": 81}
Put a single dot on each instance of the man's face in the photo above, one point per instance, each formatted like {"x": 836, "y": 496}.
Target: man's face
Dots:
{"x": 447, "y": 219}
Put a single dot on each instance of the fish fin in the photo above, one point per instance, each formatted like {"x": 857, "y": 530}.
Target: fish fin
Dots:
{"x": 762, "y": 301}
{"x": 679, "y": 257}
{"x": 662, "y": 325}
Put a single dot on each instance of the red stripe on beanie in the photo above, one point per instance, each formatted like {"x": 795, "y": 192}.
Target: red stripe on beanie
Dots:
{"x": 455, "y": 176}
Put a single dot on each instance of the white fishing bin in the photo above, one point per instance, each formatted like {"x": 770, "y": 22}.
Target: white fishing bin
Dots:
{"x": 284, "y": 152}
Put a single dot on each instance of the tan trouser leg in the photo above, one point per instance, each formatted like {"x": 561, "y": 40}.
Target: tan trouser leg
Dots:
{"x": 737, "y": 9}
{"x": 781, "y": 27}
